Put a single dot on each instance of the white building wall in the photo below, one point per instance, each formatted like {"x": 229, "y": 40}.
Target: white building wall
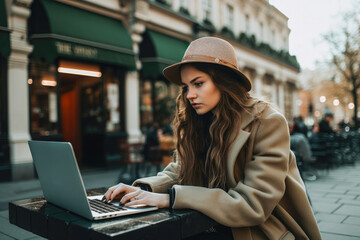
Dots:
{"x": 162, "y": 19}
{"x": 110, "y": 4}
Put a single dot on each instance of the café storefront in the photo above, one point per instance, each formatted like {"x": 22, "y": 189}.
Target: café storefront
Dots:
{"x": 76, "y": 80}
{"x": 157, "y": 51}
{"x": 5, "y": 169}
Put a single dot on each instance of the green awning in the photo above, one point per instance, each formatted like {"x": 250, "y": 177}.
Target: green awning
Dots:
{"x": 4, "y": 31}
{"x": 159, "y": 51}
{"x": 60, "y": 30}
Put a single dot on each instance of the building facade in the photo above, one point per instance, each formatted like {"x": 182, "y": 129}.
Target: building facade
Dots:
{"x": 90, "y": 71}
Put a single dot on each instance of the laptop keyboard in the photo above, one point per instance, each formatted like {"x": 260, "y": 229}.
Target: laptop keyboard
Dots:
{"x": 101, "y": 207}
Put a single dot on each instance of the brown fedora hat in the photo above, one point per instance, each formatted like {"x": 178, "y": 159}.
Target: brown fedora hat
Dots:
{"x": 208, "y": 50}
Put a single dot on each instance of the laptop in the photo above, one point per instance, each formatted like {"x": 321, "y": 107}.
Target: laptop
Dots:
{"x": 62, "y": 185}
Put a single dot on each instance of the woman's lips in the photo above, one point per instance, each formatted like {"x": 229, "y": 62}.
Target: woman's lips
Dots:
{"x": 196, "y": 105}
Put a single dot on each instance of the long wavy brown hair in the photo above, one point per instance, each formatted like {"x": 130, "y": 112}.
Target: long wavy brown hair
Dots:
{"x": 202, "y": 141}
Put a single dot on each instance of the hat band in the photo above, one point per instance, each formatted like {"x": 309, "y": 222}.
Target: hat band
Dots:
{"x": 200, "y": 58}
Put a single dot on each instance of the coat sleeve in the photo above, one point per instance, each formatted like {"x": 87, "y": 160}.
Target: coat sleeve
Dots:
{"x": 164, "y": 180}
{"x": 252, "y": 200}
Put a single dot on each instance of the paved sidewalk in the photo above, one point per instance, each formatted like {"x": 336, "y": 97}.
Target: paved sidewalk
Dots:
{"x": 336, "y": 202}
{"x": 335, "y": 197}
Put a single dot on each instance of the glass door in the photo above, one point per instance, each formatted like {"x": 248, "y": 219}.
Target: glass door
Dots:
{"x": 82, "y": 111}
{"x": 92, "y": 121}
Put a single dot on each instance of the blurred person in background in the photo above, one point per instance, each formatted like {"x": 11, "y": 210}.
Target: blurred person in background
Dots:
{"x": 152, "y": 151}
{"x": 301, "y": 126}
{"x": 299, "y": 143}
{"x": 324, "y": 124}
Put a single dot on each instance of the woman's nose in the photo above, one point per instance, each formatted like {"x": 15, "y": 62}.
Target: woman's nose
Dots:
{"x": 191, "y": 94}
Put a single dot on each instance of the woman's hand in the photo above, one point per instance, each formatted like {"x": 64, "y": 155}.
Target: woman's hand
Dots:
{"x": 131, "y": 196}
{"x": 118, "y": 191}
{"x": 144, "y": 197}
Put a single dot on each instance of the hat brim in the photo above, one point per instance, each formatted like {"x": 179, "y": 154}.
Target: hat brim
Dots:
{"x": 172, "y": 73}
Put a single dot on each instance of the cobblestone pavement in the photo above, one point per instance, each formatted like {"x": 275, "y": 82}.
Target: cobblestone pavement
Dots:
{"x": 335, "y": 197}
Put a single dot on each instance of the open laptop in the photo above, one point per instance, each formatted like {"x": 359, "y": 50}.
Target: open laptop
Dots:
{"x": 63, "y": 186}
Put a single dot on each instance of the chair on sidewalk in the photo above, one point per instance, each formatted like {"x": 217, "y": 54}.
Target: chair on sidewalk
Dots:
{"x": 318, "y": 145}
{"x": 132, "y": 157}
{"x": 303, "y": 174}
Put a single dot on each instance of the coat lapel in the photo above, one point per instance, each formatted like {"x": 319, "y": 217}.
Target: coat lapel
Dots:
{"x": 234, "y": 151}
{"x": 242, "y": 136}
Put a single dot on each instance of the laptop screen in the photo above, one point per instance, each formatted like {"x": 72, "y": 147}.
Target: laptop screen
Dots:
{"x": 59, "y": 176}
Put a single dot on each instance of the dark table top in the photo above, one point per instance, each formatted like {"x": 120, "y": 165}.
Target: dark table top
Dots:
{"x": 49, "y": 221}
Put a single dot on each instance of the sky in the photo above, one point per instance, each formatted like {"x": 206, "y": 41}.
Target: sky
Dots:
{"x": 308, "y": 21}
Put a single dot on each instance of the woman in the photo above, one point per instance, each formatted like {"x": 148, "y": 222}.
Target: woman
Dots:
{"x": 232, "y": 152}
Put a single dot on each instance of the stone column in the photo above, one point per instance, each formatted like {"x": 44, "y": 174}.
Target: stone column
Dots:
{"x": 295, "y": 106}
{"x": 258, "y": 81}
{"x": 281, "y": 97}
{"x": 18, "y": 97}
{"x": 132, "y": 90}
{"x": 132, "y": 107}
{"x": 274, "y": 96}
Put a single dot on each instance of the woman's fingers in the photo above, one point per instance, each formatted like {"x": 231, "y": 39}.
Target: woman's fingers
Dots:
{"x": 160, "y": 200}
{"x": 129, "y": 196}
{"x": 135, "y": 201}
{"x": 117, "y": 191}
{"x": 134, "y": 196}
{"x": 139, "y": 197}
{"x": 108, "y": 193}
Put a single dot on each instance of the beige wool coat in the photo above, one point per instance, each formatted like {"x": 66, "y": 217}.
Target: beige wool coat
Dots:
{"x": 266, "y": 198}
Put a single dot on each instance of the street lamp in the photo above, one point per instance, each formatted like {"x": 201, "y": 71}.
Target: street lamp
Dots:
{"x": 322, "y": 99}
{"x": 336, "y": 102}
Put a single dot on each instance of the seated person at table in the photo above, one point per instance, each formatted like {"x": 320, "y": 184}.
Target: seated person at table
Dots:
{"x": 232, "y": 159}
{"x": 324, "y": 124}
{"x": 299, "y": 143}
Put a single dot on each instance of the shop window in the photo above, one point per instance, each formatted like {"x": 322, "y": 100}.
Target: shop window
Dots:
{"x": 43, "y": 99}
{"x": 164, "y": 103}
{"x": 146, "y": 104}
{"x": 206, "y": 7}
{"x": 157, "y": 103}
{"x": 229, "y": 17}
{"x": 247, "y": 24}
{"x": 112, "y": 101}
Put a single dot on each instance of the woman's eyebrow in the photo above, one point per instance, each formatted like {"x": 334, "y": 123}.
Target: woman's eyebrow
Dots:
{"x": 195, "y": 79}
{"x": 192, "y": 81}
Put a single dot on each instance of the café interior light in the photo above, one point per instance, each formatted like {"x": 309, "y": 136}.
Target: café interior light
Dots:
{"x": 351, "y": 105}
{"x": 79, "y": 72}
{"x": 48, "y": 83}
